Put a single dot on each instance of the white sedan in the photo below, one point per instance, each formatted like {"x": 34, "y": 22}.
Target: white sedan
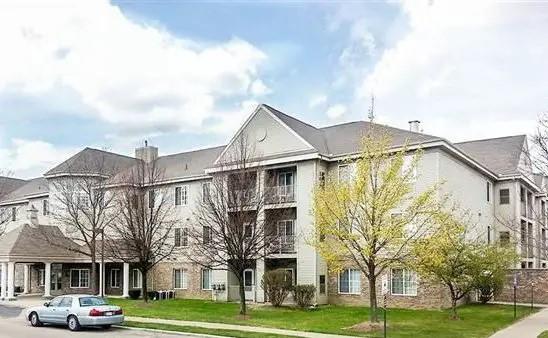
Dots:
{"x": 76, "y": 311}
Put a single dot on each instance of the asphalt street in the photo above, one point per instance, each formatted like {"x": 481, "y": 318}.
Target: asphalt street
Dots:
{"x": 14, "y": 325}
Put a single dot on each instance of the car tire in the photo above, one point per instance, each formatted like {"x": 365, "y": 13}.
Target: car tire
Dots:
{"x": 105, "y": 327}
{"x": 73, "y": 323}
{"x": 35, "y": 320}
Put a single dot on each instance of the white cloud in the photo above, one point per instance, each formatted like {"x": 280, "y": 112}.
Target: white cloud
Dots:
{"x": 133, "y": 75}
{"x": 335, "y": 111}
{"x": 258, "y": 88}
{"x": 317, "y": 100}
{"x": 31, "y": 158}
{"x": 467, "y": 69}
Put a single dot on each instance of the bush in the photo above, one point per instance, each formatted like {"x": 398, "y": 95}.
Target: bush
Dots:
{"x": 153, "y": 295}
{"x": 277, "y": 286}
{"x": 134, "y": 294}
{"x": 488, "y": 285}
{"x": 303, "y": 295}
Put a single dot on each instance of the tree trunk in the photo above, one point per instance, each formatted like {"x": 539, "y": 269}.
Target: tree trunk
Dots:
{"x": 243, "y": 309}
{"x": 373, "y": 316}
{"x": 144, "y": 289}
{"x": 94, "y": 283}
{"x": 454, "y": 314}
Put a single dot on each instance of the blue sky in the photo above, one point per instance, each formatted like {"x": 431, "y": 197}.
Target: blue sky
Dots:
{"x": 185, "y": 74}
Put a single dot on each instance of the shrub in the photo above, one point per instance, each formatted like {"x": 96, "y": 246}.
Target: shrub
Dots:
{"x": 134, "y": 294}
{"x": 277, "y": 286}
{"x": 153, "y": 295}
{"x": 303, "y": 295}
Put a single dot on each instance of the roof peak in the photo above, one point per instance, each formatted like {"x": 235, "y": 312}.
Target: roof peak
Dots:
{"x": 492, "y": 138}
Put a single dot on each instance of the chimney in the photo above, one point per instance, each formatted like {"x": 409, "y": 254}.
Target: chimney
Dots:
{"x": 146, "y": 153}
{"x": 33, "y": 216}
{"x": 414, "y": 126}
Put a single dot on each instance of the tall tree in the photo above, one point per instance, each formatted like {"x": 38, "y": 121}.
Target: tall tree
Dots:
{"x": 457, "y": 255}
{"x": 82, "y": 208}
{"x": 368, "y": 217}
{"x": 141, "y": 233}
{"x": 7, "y": 184}
{"x": 231, "y": 229}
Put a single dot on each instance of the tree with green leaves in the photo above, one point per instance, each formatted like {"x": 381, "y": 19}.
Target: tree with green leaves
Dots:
{"x": 370, "y": 218}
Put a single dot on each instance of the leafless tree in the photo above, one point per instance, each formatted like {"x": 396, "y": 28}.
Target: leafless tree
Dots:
{"x": 141, "y": 233}
{"x": 7, "y": 184}
{"x": 82, "y": 208}
{"x": 231, "y": 229}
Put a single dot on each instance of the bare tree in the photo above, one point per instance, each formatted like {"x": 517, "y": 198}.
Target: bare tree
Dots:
{"x": 82, "y": 208}
{"x": 7, "y": 185}
{"x": 231, "y": 229}
{"x": 141, "y": 232}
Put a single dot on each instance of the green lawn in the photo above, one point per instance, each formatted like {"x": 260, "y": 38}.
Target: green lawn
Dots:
{"x": 201, "y": 330}
{"x": 476, "y": 320}
{"x": 543, "y": 335}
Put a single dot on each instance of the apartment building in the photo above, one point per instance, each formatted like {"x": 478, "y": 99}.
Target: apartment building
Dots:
{"x": 492, "y": 178}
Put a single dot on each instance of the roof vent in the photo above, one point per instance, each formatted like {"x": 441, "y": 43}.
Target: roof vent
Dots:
{"x": 414, "y": 126}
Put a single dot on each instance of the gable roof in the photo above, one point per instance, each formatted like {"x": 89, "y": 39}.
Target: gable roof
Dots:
{"x": 9, "y": 184}
{"x": 92, "y": 161}
{"x": 346, "y": 138}
{"x": 500, "y": 155}
{"x": 31, "y": 187}
{"x": 30, "y": 241}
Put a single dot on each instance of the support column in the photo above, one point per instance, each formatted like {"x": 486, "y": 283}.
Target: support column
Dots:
{"x": 125, "y": 292}
{"x": 11, "y": 281}
{"x": 101, "y": 279}
{"x": 47, "y": 280}
{"x": 4, "y": 281}
{"x": 26, "y": 273}
{"x": 259, "y": 272}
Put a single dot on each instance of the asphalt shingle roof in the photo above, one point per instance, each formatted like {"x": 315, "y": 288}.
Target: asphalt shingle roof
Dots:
{"x": 9, "y": 184}
{"x": 33, "y": 186}
{"x": 92, "y": 161}
{"x": 500, "y": 155}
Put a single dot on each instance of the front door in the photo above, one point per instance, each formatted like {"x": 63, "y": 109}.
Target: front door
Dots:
{"x": 56, "y": 277}
{"x": 249, "y": 284}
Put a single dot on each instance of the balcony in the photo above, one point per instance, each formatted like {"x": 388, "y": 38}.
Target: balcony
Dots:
{"x": 282, "y": 244}
{"x": 243, "y": 197}
{"x": 280, "y": 194}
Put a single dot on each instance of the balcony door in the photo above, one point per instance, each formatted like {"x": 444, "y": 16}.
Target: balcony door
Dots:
{"x": 286, "y": 235}
{"x": 285, "y": 185}
{"x": 249, "y": 284}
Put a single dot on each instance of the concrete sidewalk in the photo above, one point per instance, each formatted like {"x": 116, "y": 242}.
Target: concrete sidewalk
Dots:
{"x": 255, "y": 329}
{"x": 528, "y": 327}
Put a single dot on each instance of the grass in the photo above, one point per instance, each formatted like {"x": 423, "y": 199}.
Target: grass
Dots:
{"x": 201, "y": 330}
{"x": 477, "y": 321}
{"x": 543, "y": 335}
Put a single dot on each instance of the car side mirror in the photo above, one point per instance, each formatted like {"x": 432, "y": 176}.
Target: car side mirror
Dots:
{"x": 46, "y": 304}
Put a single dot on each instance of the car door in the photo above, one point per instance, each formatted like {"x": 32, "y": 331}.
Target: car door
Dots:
{"x": 62, "y": 311}
{"x": 47, "y": 314}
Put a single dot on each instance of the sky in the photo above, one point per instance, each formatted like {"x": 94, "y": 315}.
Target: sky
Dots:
{"x": 185, "y": 74}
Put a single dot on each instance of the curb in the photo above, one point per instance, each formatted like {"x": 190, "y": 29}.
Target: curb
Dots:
{"x": 169, "y": 332}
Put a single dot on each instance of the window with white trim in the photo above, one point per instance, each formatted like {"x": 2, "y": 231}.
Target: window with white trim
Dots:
{"x": 409, "y": 168}
{"x": 345, "y": 172}
{"x": 79, "y": 278}
{"x": 82, "y": 200}
{"x": 206, "y": 279}
{"x": 181, "y": 237}
{"x": 115, "y": 275}
{"x": 180, "y": 279}
{"x": 181, "y": 195}
{"x": 205, "y": 191}
{"x": 350, "y": 281}
{"x": 136, "y": 279}
{"x": 403, "y": 282}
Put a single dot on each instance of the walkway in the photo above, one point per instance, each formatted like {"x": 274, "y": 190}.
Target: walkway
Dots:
{"x": 255, "y": 329}
{"x": 528, "y": 327}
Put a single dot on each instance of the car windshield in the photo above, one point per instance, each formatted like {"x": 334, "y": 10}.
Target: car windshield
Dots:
{"x": 92, "y": 301}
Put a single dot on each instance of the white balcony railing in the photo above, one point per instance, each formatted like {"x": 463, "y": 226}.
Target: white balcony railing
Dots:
{"x": 280, "y": 194}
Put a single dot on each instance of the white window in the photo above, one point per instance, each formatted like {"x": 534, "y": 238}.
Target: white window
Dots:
{"x": 181, "y": 237}
{"x": 409, "y": 168}
{"x": 79, "y": 278}
{"x": 82, "y": 200}
{"x": 115, "y": 278}
{"x": 181, "y": 195}
{"x": 504, "y": 196}
{"x": 206, "y": 279}
{"x": 349, "y": 281}
{"x": 345, "y": 172}
{"x": 41, "y": 277}
{"x": 205, "y": 191}
{"x": 404, "y": 282}
{"x": 136, "y": 279}
{"x": 180, "y": 279}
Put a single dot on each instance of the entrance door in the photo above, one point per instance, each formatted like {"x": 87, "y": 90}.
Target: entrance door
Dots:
{"x": 249, "y": 284}
{"x": 56, "y": 277}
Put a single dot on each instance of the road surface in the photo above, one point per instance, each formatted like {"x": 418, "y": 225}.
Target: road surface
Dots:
{"x": 13, "y": 325}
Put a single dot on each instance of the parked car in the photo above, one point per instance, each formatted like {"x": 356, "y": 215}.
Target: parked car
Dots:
{"x": 76, "y": 311}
